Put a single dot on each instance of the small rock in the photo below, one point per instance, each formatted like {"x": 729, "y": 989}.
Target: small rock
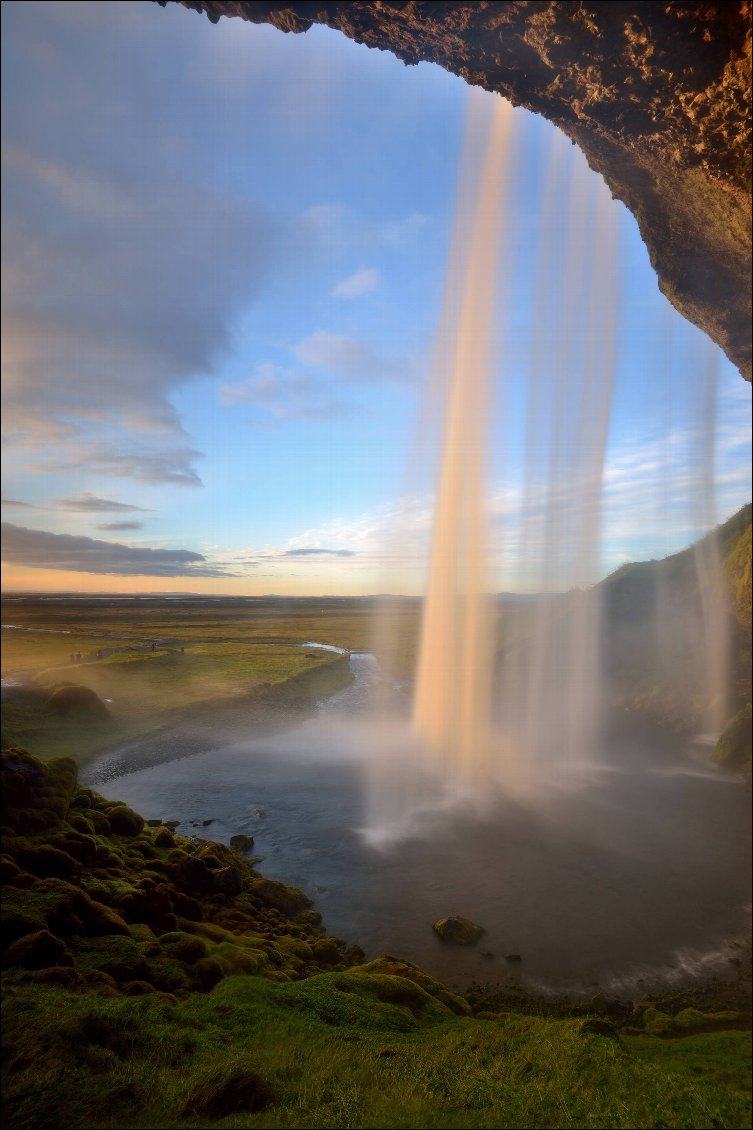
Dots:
{"x": 154, "y": 823}
{"x": 206, "y": 823}
{"x": 513, "y": 958}
{"x": 172, "y": 824}
{"x": 458, "y": 931}
{"x": 487, "y": 954}
{"x": 241, "y": 843}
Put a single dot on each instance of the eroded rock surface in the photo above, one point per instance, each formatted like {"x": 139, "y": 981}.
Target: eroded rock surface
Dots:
{"x": 657, "y": 96}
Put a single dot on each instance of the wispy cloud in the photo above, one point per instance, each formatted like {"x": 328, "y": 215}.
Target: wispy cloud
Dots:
{"x": 38, "y": 549}
{"x": 21, "y": 505}
{"x": 120, "y": 526}
{"x": 363, "y": 281}
{"x": 164, "y": 465}
{"x": 90, "y": 502}
{"x": 351, "y": 359}
{"x": 281, "y": 394}
{"x": 312, "y": 551}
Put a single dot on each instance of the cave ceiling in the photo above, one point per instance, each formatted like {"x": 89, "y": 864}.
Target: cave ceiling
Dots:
{"x": 657, "y": 95}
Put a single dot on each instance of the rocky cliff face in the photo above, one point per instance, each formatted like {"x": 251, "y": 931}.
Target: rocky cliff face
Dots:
{"x": 657, "y": 95}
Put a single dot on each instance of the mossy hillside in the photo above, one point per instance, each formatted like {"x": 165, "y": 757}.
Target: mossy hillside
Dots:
{"x": 347, "y": 1049}
{"x": 656, "y": 665}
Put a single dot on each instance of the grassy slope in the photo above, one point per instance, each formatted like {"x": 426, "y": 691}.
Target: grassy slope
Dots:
{"x": 658, "y": 672}
{"x": 144, "y": 988}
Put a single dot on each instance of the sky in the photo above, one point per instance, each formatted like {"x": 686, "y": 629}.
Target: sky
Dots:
{"x": 224, "y": 255}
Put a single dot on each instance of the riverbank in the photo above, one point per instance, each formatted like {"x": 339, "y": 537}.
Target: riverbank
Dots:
{"x": 149, "y": 736}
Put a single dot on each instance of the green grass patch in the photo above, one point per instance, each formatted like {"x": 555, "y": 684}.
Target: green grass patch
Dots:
{"x": 333, "y": 1052}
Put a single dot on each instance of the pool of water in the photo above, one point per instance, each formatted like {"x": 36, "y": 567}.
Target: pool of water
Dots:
{"x": 635, "y": 874}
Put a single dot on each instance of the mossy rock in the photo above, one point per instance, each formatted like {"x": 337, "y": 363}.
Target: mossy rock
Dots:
{"x": 458, "y": 931}
{"x": 70, "y": 698}
{"x": 124, "y": 821}
{"x": 46, "y": 861}
{"x": 183, "y": 947}
{"x": 327, "y": 952}
{"x": 206, "y": 974}
{"x": 122, "y": 958}
{"x": 391, "y": 966}
{"x": 279, "y": 896}
{"x": 35, "y": 794}
{"x": 37, "y": 951}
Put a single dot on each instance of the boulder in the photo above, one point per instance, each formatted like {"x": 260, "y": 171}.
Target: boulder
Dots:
{"x": 458, "y": 931}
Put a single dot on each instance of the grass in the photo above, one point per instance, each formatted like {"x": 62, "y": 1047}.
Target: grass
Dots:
{"x": 336, "y": 1051}
{"x": 201, "y": 660}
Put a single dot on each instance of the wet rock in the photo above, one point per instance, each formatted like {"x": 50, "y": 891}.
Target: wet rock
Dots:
{"x": 241, "y": 843}
{"x": 458, "y": 931}
{"x": 154, "y": 823}
{"x": 513, "y": 958}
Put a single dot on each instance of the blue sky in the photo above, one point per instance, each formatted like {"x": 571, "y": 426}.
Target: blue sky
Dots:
{"x": 224, "y": 256}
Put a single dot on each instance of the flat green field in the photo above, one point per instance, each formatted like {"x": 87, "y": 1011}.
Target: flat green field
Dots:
{"x": 149, "y": 659}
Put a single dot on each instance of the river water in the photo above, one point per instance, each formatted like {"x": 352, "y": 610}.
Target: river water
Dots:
{"x": 637, "y": 875}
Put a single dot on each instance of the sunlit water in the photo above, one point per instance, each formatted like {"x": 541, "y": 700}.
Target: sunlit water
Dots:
{"x": 638, "y": 872}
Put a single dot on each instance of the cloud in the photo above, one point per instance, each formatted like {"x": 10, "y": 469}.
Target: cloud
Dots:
{"x": 363, "y": 281}
{"x": 38, "y": 549}
{"x": 286, "y": 394}
{"x": 348, "y": 358}
{"x": 159, "y": 466}
{"x": 117, "y": 293}
{"x": 310, "y": 551}
{"x": 22, "y": 505}
{"x": 89, "y": 502}
{"x": 340, "y": 229}
{"x": 123, "y": 266}
{"x": 120, "y": 526}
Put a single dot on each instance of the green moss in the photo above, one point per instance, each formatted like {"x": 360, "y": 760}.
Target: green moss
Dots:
{"x": 733, "y": 750}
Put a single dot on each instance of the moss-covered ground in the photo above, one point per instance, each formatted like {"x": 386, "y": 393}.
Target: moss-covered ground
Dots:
{"x": 152, "y": 980}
